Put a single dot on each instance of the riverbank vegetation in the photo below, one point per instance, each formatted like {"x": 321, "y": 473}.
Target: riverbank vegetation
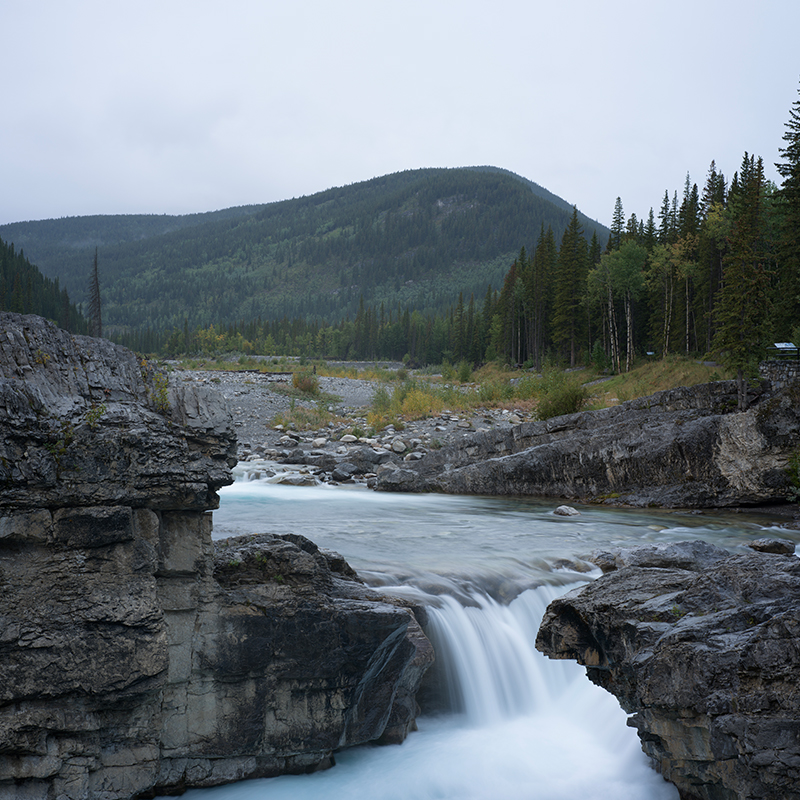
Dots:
{"x": 402, "y": 395}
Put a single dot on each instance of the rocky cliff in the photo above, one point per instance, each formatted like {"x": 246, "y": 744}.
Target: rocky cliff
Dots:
{"x": 702, "y": 647}
{"x": 133, "y": 657}
{"x": 686, "y": 447}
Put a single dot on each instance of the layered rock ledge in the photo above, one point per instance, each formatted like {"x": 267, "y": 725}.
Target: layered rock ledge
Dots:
{"x": 685, "y": 447}
{"x": 702, "y": 646}
{"x": 134, "y": 659}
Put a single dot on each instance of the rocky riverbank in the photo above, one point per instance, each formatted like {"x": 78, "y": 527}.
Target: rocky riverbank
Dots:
{"x": 685, "y": 447}
{"x": 332, "y": 454}
{"x": 701, "y": 646}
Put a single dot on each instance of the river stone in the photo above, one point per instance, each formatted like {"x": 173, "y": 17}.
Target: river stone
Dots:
{"x": 566, "y": 511}
{"x": 784, "y": 547}
{"x": 297, "y": 479}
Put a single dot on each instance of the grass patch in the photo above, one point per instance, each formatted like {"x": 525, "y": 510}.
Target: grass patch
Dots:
{"x": 303, "y": 418}
{"x": 306, "y": 381}
{"x": 656, "y": 376}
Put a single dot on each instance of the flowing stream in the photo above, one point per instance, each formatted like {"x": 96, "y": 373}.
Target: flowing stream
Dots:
{"x": 515, "y": 725}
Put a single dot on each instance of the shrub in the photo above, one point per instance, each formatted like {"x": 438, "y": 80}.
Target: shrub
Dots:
{"x": 464, "y": 371}
{"x": 305, "y": 381}
{"x": 560, "y": 395}
{"x": 381, "y": 401}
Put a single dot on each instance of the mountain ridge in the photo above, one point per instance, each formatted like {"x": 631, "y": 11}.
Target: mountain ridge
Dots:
{"x": 415, "y": 238}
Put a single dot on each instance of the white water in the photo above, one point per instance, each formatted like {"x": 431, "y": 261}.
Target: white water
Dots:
{"x": 521, "y": 727}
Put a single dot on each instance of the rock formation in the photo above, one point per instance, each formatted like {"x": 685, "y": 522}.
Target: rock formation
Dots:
{"x": 685, "y": 447}
{"x": 133, "y": 658}
{"x": 701, "y": 646}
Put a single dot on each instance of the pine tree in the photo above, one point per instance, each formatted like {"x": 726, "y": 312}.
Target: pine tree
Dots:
{"x": 617, "y": 225}
{"x": 95, "y": 315}
{"x": 743, "y": 308}
{"x": 542, "y": 267}
{"x": 710, "y": 246}
{"x": 569, "y": 290}
{"x": 788, "y": 305}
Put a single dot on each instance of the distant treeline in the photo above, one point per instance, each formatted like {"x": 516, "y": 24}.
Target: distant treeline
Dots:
{"x": 25, "y": 290}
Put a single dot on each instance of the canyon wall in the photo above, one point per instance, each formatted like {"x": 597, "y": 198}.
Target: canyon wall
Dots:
{"x": 702, "y": 647}
{"x": 135, "y": 657}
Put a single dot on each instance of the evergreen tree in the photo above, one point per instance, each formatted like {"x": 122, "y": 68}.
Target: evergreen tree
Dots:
{"x": 569, "y": 290}
{"x": 542, "y": 268}
{"x": 617, "y": 225}
{"x": 95, "y": 315}
{"x": 743, "y": 306}
{"x": 788, "y": 304}
{"x": 710, "y": 247}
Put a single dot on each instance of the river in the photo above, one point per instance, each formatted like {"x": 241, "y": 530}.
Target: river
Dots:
{"x": 517, "y": 726}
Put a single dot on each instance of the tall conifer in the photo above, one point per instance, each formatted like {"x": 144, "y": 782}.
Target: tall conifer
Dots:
{"x": 569, "y": 290}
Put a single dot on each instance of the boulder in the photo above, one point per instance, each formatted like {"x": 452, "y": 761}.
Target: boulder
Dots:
{"x": 701, "y": 646}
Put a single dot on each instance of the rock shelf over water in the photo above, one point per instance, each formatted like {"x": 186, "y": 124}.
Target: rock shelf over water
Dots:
{"x": 703, "y": 648}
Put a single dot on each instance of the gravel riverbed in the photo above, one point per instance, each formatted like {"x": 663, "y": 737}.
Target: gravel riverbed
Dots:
{"x": 256, "y": 398}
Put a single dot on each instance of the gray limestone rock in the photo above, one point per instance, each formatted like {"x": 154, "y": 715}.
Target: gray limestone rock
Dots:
{"x": 133, "y": 658}
{"x": 701, "y": 646}
{"x": 686, "y": 447}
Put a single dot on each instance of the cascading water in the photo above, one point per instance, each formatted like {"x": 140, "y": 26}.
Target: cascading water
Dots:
{"x": 517, "y": 726}
{"x": 520, "y": 727}
{"x": 485, "y": 654}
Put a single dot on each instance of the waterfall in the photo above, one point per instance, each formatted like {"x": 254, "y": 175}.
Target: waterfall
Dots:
{"x": 519, "y": 726}
{"x": 486, "y": 654}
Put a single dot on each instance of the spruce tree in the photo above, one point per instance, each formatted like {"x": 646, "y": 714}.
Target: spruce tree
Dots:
{"x": 788, "y": 304}
{"x": 569, "y": 290}
{"x": 742, "y": 308}
{"x": 617, "y": 225}
{"x": 95, "y": 315}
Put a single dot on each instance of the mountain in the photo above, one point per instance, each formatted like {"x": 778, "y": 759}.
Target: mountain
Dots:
{"x": 414, "y": 239}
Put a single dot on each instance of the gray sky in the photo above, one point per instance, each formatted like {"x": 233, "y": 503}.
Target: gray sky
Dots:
{"x": 180, "y": 106}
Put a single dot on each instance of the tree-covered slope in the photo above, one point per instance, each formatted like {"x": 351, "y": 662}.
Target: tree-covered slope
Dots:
{"x": 414, "y": 238}
{"x": 25, "y": 290}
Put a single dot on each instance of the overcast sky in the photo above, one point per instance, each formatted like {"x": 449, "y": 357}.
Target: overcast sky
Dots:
{"x": 181, "y": 106}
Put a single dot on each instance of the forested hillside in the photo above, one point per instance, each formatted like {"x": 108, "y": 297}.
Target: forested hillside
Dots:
{"x": 25, "y": 290}
{"x": 716, "y": 270}
{"x": 412, "y": 239}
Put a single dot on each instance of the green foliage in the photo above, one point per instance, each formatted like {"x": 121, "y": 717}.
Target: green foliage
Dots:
{"x": 413, "y": 238}
{"x": 59, "y": 442}
{"x": 464, "y": 371}
{"x": 560, "y": 393}
{"x": 158, "y": 386}
{"x": 23, "y": 289}
{"x": 93, "y": 415}
{"x": 306, "y": 381}
{"x": 743, "y": 305}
